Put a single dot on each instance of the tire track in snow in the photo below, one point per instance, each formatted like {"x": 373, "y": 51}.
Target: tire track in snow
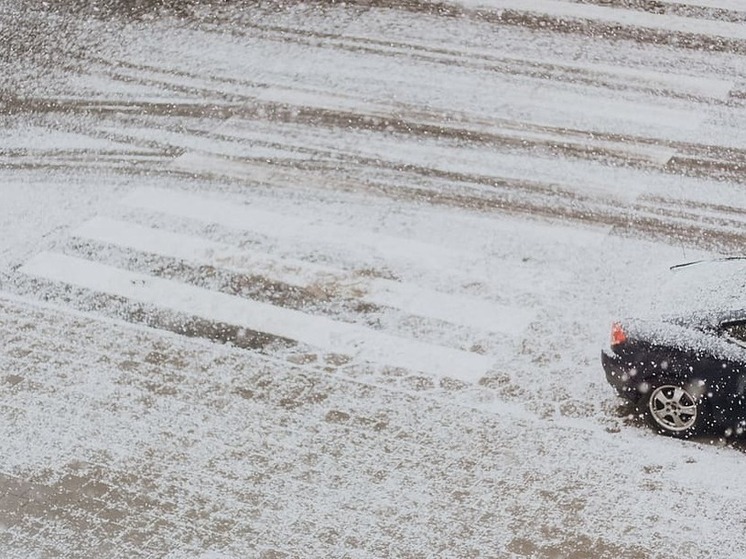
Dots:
{"x": 489, "y": 194}
{"x": 615, "y": 149}
{"x": 718, "y": 10}
{"x": 600, "y": 21}
{"x": 720, "y": 162}
{"x": 692, "y": 88}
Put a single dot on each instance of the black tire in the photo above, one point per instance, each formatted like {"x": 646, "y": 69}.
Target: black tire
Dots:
{"x": 674, "y": 409}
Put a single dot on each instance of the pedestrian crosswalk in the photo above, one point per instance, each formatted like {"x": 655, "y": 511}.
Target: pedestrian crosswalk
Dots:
{"x": 145, "y": 227}
{"x": 415, "y": 299}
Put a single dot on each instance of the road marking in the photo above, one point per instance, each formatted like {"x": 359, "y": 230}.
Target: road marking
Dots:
{"x": 414, "y": 299}
{"x": 320, "y": 332}
{"x": 248, "y": 218}
{"x": 481, "y": 260}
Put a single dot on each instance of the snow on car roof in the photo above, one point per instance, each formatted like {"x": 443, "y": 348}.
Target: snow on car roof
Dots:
{"x": 710, "y": 290}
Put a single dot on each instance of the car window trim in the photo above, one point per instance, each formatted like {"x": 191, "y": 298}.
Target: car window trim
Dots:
{"x": 724, "y": 329}
{"x": 736, "y": 341}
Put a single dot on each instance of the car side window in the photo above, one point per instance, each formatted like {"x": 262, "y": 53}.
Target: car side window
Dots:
{"x": 736, "y": 331}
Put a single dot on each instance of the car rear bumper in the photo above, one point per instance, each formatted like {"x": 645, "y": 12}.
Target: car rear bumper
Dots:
{"x": 621, "y": 375}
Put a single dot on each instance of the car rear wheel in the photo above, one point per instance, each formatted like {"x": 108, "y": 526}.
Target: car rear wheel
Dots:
{"x": 674, "y": 410}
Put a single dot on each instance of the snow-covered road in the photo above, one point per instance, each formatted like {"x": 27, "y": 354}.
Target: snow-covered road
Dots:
{"x": 332, "y": 280}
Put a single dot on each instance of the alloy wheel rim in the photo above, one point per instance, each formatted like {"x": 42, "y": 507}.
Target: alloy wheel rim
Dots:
{"x": 673, "y": 408}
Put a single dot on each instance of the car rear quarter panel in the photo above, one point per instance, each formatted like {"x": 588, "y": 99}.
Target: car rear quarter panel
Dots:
{"x": 718, "y": 379}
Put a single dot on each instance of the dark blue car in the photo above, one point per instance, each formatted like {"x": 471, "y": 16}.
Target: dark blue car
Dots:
{"x": 684, "y": 364}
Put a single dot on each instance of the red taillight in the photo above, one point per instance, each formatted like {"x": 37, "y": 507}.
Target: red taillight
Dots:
{"x": 618, "y": 336}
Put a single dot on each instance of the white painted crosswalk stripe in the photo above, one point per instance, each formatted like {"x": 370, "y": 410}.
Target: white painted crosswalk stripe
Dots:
{"x": 415, "y": 299}
{"x": 320, "y": 332}
{"x": 248, "y": 218}
{"x": 201, "y": 250}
